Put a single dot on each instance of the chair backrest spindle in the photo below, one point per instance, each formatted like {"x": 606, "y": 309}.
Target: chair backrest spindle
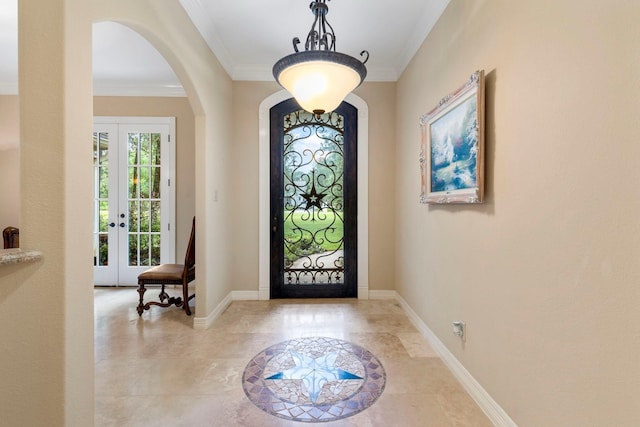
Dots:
{"x": 11, "y": 237}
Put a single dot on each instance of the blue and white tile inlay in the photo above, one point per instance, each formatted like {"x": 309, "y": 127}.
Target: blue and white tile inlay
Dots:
{"x": 314, "y": 379}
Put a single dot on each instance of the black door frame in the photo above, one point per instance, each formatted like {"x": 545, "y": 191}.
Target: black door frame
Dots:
{"x": 278, "y": 289}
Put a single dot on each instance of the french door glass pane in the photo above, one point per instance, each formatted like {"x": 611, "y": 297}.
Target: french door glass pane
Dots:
{"x": 155, "y": 248}
{"x": 133, "y": 249}
{"x": 101, "y": 201}
{"x": 144, "y": 159}
{"x": 144, "y": 182}
{"x": 155, "y": 216}
{"x": 144, "y": 148}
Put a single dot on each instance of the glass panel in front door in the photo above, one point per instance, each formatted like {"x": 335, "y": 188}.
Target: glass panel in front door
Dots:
{"x": 313, "y": 160}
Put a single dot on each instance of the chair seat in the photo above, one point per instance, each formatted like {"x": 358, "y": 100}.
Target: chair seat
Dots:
{"x": 171, "y": 274}
{"x": 164, "y": 272}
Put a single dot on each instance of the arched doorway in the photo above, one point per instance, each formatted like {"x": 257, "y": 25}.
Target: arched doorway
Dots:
{"x": 314, "y": 206}
{"x": 362, "y": 199}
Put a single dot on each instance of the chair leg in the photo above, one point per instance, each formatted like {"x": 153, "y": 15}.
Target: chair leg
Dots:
{"x": 141, "y": 291}
{"x": 185, "y": 297}
{"x": 163, "y": 295}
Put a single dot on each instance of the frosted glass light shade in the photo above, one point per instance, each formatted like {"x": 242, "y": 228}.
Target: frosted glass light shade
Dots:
{"x": 319, "y": 80}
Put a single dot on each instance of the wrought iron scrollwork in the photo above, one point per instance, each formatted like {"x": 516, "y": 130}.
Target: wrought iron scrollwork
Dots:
{"x": 313, "y": 198}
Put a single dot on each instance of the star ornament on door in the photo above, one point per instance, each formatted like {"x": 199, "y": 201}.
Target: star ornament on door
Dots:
{"x": 313, "y": 198}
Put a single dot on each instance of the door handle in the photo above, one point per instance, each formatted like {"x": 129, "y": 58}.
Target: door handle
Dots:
{"x": 112, "y": 224}
{"x": 122, "y": 224}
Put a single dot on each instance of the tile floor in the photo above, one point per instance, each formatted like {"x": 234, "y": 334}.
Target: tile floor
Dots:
{"x": 158, "y": 371}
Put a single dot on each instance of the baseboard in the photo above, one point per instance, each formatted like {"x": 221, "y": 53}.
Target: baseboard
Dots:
{"x": 490, "y": 407}
{"x": 383, "y": 295}
{"x": 245, "y": 295}
{"x": 202, "y": 323}
{"x": 264, "y": 294}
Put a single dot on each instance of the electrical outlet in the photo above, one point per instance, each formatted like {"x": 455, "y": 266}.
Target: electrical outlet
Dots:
{"x": 458, "y": 329}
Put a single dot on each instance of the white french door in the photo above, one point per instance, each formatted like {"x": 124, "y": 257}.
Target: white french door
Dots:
{"x": 134, "y": 197}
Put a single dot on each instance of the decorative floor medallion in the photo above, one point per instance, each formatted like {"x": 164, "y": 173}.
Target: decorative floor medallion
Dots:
{"x": 314, "y": 379}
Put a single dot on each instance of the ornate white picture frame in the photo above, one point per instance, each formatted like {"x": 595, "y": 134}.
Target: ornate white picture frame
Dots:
{"x": 452, "y": 146}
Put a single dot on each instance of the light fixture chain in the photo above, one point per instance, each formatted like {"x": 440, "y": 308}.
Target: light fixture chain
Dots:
{"x": 328, "y": 35}
{"x": 319, "y": 38}
{"x": 312, "y": 37}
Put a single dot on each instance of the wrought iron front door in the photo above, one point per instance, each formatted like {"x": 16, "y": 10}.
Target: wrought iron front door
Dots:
{"x": 313, "y": 202}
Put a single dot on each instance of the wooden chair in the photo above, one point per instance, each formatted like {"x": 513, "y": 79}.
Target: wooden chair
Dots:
{"x": 11, "y": 237}
{"x": 171, "y": 274}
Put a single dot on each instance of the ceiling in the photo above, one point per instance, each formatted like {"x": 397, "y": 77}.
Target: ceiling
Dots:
{"x": 247, "y": 38}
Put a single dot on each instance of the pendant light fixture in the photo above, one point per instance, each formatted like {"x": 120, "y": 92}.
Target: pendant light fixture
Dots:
{"x": 320, "y": 78}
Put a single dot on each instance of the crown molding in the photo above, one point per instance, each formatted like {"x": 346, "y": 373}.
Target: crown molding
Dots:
{"x": 200, "y": 18}
{"x": 264, "y": 74}
{"x": 428, "y": 20}
{"x": 137, "y": 89}
{"x": 125, "y": 89}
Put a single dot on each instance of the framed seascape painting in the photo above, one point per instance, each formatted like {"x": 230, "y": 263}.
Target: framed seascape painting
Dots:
{"x": 452, "y": 146}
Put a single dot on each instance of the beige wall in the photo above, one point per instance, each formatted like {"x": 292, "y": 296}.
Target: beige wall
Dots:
{"x": 247, "y": 97}
{"x": 545, "y": 273}
{"x": 46, "y": 308}
{"x": 9, "y": 188}
{"x": 185, "y": 149}
{"x": 9, "y": 162}
{"x": 107, "y": 106}
{"x": 9, "y": 122}
{"x": 380, "y": 98}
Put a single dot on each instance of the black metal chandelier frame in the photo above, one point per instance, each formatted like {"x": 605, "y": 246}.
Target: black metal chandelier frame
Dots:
{"x": 321, "y": 46}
